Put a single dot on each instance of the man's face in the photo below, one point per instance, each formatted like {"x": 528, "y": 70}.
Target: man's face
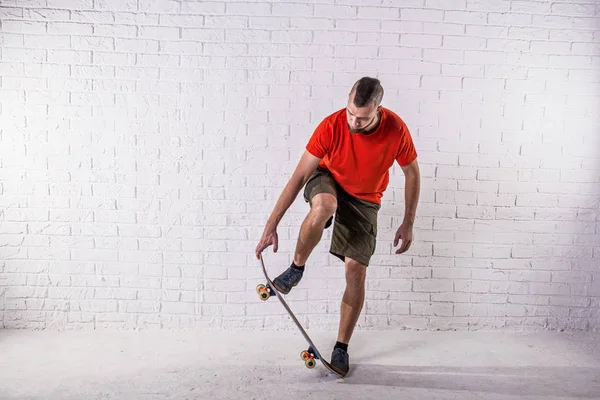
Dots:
{"x": 360, "y": 118}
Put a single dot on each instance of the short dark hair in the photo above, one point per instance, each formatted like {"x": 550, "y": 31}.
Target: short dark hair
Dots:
{"x": 367, "y": 90}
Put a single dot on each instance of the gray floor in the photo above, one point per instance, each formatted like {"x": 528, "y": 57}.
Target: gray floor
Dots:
{"x": 260, "y": 365}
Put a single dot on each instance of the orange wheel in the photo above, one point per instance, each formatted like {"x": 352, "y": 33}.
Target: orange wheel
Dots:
{"x": 304, "y": 355}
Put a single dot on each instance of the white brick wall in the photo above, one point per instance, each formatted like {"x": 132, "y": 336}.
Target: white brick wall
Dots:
{"x": 144, "y": 143}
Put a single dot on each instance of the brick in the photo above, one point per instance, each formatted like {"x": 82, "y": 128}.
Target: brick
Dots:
{"x": 470, "y": 310}
{"x": 437, "y": 309}
{"x": 295, "y": 23}
{"x": 571, "y": 277}
{"x": 510, "y": 18}
{"x": 414, "y": 14}
{"x": 488, "y": 251}
{"x": 8, "y": 12}
{"x": 340, "y": 11}
{"x": 92, "y": 43}
{"x": 501, "y": 200}
{"x": 159, "y": 6}
{"x": 161, "y": 33}
{"x": 13, "y": 39}
{"x": 367, "y": 26}
{"x": 466, "y": 17}
{"x": 448, "y": 197}
{"x": 292, "y": 10}
{"x": 451, "y": 273}
{"x": 475, "y": 212}
{"x": 538, "y": 200}
{"x": 247, "y": 8}
{"x": 510, "y": 287}
{"x": 379, "y": 12}
{"x": 497, "y": 174}
{"x": 23, "y": 55}
{"x": 432, "y": 285}
{"x": 450, "y": 297}
{"x": 67, "y": 28}
{"x": 549, "y": 288}
{"x": 32, "y": 27}
{"x": 204, "y": 7}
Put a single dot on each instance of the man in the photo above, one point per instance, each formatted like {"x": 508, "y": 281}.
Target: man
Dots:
{"x": 346, "y": 170}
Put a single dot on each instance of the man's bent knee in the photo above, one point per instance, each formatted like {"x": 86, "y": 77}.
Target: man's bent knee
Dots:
{"x": 324, "y": 205}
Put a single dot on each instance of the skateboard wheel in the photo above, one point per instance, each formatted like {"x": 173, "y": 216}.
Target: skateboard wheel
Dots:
{"x": 263, "y": 292}
{"x": 264, "y": 295}
{"x": 310, "y": 363}
{"x": 304, "y": 355}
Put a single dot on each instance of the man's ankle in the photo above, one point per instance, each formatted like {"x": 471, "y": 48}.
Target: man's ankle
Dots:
{"x": 297, "y": 267}
{"x": 340, "y": 345}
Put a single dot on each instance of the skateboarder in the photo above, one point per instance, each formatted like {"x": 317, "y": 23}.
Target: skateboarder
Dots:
{"x": 345, "y": 170}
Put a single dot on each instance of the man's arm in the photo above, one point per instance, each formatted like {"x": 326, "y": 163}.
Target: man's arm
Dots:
{"x": 412, "y": 189}
{"x": 306, "y": 166}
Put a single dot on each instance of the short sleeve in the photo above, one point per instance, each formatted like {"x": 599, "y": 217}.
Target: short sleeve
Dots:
{"x": 320, "y": 141}
{"x": 406, "y": 152}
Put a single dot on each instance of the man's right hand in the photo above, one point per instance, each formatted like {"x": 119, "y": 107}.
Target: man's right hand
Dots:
{"x": 269, "y": 237}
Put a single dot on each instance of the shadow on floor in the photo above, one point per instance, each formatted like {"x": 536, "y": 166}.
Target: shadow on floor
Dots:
{"x": 517, "y": 381}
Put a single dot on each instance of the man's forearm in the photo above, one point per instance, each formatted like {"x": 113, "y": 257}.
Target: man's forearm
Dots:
{"x": 411, "y": 196}
{"x": 287, "y": 197}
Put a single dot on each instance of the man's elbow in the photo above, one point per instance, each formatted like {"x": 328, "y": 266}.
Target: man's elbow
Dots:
{"x": 412, "y": 170}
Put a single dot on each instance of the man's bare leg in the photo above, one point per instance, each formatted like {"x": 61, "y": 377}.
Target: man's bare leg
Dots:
{"x": 353, "y": 299}
{"x": 322, "y": 208}
{"x": 350, "y": 309}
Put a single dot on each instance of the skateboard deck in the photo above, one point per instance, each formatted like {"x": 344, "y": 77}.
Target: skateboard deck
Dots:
{"x": 308, "y": 356}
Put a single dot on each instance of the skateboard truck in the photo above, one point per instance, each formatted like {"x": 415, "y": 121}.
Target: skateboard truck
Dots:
{"x": 308, "y": 356}
{"x": 264, "y": 292}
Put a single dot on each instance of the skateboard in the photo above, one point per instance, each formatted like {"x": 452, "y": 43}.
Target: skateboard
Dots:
{"x": 308, "y": 356}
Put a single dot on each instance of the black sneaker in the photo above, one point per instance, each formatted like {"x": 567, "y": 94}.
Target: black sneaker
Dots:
{"x": 287, "y": 280}
{"x": 340, "y": 361}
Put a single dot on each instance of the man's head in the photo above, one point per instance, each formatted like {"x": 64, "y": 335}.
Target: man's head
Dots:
{"x": 363, "y": 105}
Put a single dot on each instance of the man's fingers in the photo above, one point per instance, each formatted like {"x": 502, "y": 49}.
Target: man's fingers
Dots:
{"x": 396, "y": 239}
{"x": 259, "y": 249}
{"x": 263, "y": 244}
{"x": 401, "y": 249}
{"x": 405, "y": 246}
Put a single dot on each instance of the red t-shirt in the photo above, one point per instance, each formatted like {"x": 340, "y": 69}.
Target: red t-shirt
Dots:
{"x": 360, "y": 163}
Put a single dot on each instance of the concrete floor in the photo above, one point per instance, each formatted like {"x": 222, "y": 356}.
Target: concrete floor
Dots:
{"x": 257, "y": 365}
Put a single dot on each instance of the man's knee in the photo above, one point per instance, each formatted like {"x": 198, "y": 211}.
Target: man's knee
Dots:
{"x": 323, "y": 206}
{"x": 356, "y": 272}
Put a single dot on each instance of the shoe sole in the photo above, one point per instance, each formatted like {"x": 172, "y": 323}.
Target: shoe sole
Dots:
{"x": 339, "y": 371}
{"x": 283, "y": 291}
{"x": 279, "y": 289}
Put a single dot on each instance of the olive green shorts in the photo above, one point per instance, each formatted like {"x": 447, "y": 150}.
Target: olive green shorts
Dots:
{"x": 355, "y": 224}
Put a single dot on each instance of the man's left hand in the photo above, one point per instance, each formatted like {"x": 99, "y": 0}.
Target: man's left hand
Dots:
{"x": 405, "y": 232}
